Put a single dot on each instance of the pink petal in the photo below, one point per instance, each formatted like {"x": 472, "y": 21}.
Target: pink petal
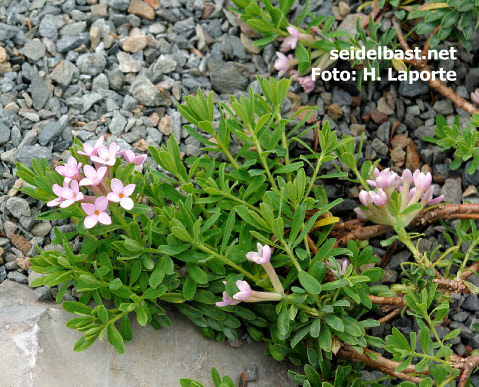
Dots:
{"x": 85, "y": 182}
{"x": 127, "y": 203}
{"x": 101, "y": 204}
{"x": 67, "y": 203}
{"x": 139, "y": 160}
{"x": 102, "y": 152}
{"x": 89, "y": 171}
{"x": 99, "y": 142}
{"x": 439, "y": 199}
{"x": 88, "y": 208}
{"x": 75, "y": 187}
{"x": 104, "y": 218}
{"x": 129, "y": 189}
{"x": 113, "y": 197}
{"x": 101, "y": 172}
{"x": 57, "y": 189}
{"x": 90, "y": 221}
{"x": 54, "y": 202}
{"x": 117, "y": 186}
{"x": 97, "y": 159}
{"x": 129, "y": 156}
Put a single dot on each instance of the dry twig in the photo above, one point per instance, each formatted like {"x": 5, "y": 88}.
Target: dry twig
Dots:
{"x": 435, "y": 83}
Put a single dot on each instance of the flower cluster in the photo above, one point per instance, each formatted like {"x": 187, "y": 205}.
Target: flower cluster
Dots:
{"x": 246, "y": 294}
{"x": 96, "y": 179}
{"x": 377, "y": 204}
{"x": 285, "y": 63}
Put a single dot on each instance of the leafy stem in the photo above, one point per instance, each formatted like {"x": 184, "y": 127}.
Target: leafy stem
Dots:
{"x": 227, "y": 261}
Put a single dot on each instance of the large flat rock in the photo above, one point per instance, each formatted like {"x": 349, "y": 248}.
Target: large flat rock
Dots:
{"x": 36, "y": 349}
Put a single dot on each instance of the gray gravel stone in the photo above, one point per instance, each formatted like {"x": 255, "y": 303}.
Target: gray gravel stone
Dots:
{"x": 471, "y": 303}
{"x": 118, "y": 4}
{"x": 3, "y": 274}
{"x": 165, "y": 64}
{"x": 415, "y": 89}
{"x": 39, "y": 90}
{"x": 444, "y": 107}
{"x": 148, "y": 94}
{"x": 41, "y": 229}
{"x": 70, "y": 43}
{"x": 63, "y": 73}
{"x": 452, "y": 190}
{"x": 34, "y": 49}
{"x": 91, "y": 64}
{"x": 18, "y": 207}
{"x": 4, "y": 133}
{"x": 228, "y": 77}
{"x": 17, "y": 277}
{"x": 43, "y": 293}
{"x": 342, "y": 97}
{"x": 29, "y": 153}
{"x": 50, "y": 132}
{"x": 117, "y": 124}
{"x": 380, "y": 147}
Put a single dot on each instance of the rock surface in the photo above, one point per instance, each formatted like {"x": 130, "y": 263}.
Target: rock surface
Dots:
{"x": 36, "y": 333}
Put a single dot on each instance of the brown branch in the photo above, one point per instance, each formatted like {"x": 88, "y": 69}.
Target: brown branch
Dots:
{"x": 470, "y": 271}
{"x": 397, "y": 301}
{"x": 455, "y": 285}
{"x": 375, "y": 12}
{"x": 467, "y": 366}
{"x": 379, "y": 363}
{"x": 425, "y": 49}
{"x": 389, "y": 316}
{"x": 363, "y": 233}
{"x": 445, "y": 211}
{"x": 357, "y": 231}
{"x": 312, "y": 246}
{"x": 422, "y": 66}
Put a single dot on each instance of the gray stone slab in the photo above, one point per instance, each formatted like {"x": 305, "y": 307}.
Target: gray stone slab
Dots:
{"x": 37, "y": 350}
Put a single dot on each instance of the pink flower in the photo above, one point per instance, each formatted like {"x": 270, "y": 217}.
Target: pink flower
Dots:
{"x": 106, "y": 156}
{"x": 475, "y": 97}
{"x": 121, "y": 194}
{"x": 282, "y": 63}
{"x": 262, "y": 256}
{"x": 292, "y": 40}
{"x": 380, "y": 198}
{"x": 384, "y": 179}
{"x": 406, "y": 176}
{"x": 245, "y": 291}
{"x": 422, "y": 181}
{"x": 96, "y": 212}
{"x": 93, "y": 176}
{"x": 59, "y": 192}
{"x": 89, "y": 150}
{"x": 365, "y": 198}
{"x": 307, "y": 83}
{"x": 72, "y": 194}
{"x": 227, "y": 300}
{"x": 132, "y": 159}
{"x": 343, "y": 265}
{"x": 71, "y": 170}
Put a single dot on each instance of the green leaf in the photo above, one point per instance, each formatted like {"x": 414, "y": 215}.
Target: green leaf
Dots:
{"x": 141, "y": 315}
{"x": 77, "y": 308}
{"x": 311, "y": 284}
{"x": 334, "y": 322}
{"x": 324, "y": 339}
{"x": 115, "y": 339}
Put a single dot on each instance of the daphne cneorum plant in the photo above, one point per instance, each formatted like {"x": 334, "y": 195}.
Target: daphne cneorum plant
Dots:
{"x": 244, "y": 240}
